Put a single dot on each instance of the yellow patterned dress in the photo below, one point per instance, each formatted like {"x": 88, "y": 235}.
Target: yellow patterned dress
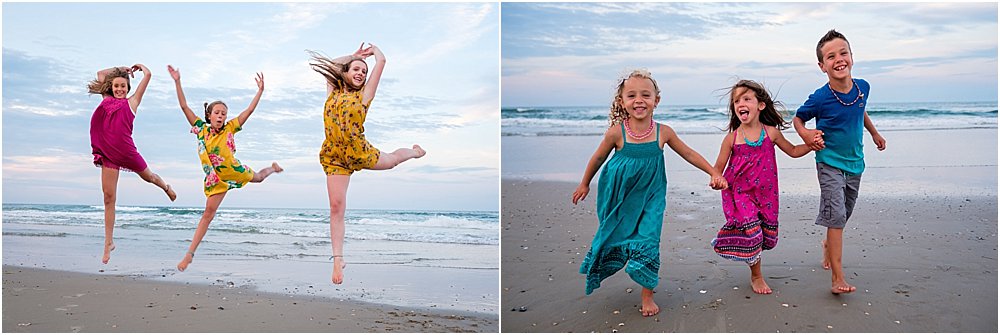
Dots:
{"x": 217, "y": 151}
{"x": 345, "y": 148}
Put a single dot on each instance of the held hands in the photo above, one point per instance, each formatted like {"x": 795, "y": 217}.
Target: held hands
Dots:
{"x": 814, "y": 139}
{"x": 580, "y": 193}
{"x": 174, "y": 73}
{"x": 718, "y": 182}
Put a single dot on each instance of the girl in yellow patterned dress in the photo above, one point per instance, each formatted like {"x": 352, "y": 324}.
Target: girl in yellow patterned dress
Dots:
{"x": 345, "y": 148}
{"x": 217, "y": 150}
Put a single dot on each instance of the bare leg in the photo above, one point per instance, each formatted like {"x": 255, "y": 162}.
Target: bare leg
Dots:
{"x": 336, "y": 187}
{"x": 835, "y": 246}
{"x": 109, "y": 185}
{"x": 826, "y": 256}
{"x": 649, "y": 307}
{"x": 390, "y": 160}
{"x": 155, "y": 179}
{"x": 263, "y": 173}
{"x": 211, "y": 206}
{"x": 757, "y": 279}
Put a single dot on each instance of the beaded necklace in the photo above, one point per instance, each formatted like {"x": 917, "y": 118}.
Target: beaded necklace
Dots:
{"x": 756, "y": 143}
{"x": 860, "y": 94}
{"x": 649, "y": 130}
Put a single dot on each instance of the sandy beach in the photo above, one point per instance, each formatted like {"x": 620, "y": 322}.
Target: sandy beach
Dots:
{"x": 40, "y": 300}
{"x": 921, "y": 247}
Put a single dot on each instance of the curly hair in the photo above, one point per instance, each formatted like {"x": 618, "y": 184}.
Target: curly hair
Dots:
{"x": 618, "y": 112}
{"x": 104, "y": 87}
{"x": 332, "y": 71}
{"x": 773, "y": 113}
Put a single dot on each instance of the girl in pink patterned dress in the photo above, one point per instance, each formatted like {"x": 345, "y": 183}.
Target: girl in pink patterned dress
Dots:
{"x": 751, "y": 201}
{"x": 111, "y": 139}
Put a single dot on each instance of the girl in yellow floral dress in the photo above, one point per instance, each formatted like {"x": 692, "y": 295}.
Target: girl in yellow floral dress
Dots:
{"x": 345, "y": 148}
{"x": 216, "y": 149}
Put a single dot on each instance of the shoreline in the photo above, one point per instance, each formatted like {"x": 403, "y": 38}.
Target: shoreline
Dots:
{"x": 42, "y": 300}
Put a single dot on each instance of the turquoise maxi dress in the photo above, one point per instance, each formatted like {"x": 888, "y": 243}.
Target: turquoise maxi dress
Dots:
{"x": 631, "y": 198}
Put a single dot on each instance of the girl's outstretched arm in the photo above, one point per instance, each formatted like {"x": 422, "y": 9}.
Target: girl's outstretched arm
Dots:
{"x": 694, "y": 158}
{"x": 140, "y": 89}
{"x": 793, "y": 151}
{"x": 876, "y": 137}
{"x": 188, "y": 113}
{"x": 253, "y": 104}
{"x": 609, "y": 142}
{"x": 724, "y": 153}
{"x": 374, "y": 76}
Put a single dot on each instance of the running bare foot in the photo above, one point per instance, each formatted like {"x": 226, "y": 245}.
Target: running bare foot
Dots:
{"x": 338, "y": 269}
{"x": 826, "y": 256}
{"x": 649, "y": 307}
{"x": 170, "y": 193}
{"x": 277, "y": 169}
{"x": 759, "y": 285}
{"x": 183, "y": 265}
{"x": 107, "y": 252}
{"x": 420, "y": 151}
{"x": 842, "y": 286}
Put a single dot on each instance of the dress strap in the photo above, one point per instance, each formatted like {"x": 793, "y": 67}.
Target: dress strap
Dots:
{"x": 624, "y": 134}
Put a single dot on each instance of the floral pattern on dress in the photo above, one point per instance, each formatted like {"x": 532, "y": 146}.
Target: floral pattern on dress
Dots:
{"x": 216, "y": 150}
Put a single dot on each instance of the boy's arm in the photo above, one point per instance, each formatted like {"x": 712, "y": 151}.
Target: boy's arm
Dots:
{"x": 876, "y": 137}
{"x": 812, "y": 137}
{"x": 603, "y": 149}
{"x": 694, "y": 158}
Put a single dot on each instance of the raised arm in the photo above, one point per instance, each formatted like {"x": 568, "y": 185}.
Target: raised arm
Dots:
{"x": 376, "y": 74}
{"x": 694, "y": 158}
{"x": 188, "y": 113}
{"x": 140, "y": 89}
{"x": 362, "y": 53}
{"x": 253, "y": 103}
{"x": 876, "y": 137}
{"x": 610, "y": 138}
{"x": 794, "y": 151}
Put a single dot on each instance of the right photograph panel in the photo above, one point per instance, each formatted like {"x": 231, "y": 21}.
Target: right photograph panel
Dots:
{"x": 749, "y": 167}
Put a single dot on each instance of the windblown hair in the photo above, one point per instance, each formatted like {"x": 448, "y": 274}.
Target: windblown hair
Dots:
{"x": 773, "y": 112}
{"x": 618, "y": 112}
{"x": 104, "y": 87}
{"x": 333, "y": 72}
{"x": 209, "y": 106}
{"x": 830, "y": 36}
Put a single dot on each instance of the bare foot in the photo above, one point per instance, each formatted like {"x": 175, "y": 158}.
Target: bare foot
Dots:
{"x": 107, "y": 252}
{"x": 277, "y": 169}
{"x": 183, "y": 265}
{"x": 649, "y": 307}
{"x": 826, "y": 256}
{"x": 170, "y": 193}
{"x": 338, "y": 269}
{"x": 420, "y": 151}
{"x": 759, "y": 285}
{"x": 842, "y": 287}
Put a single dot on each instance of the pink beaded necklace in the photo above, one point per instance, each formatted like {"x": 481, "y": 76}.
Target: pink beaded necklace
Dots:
{"x": 860, "y": 94}
{"x": 649, "y": 130}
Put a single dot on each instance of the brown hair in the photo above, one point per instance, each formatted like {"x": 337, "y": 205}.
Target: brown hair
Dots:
{"x": 104, "y": 87}
{"x": 830, "y": 36}
{"x": 773, "y": 110}
{"x": 618, "y": 112}
{"x": 209, "y": 106}
{"x": 332, "y": 71}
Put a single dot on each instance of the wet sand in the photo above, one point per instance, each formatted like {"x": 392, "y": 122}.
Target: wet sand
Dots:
{"x": 40, "y": 300}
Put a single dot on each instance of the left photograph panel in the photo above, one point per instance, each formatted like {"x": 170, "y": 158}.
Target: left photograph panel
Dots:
{"x": 363, "y": 196}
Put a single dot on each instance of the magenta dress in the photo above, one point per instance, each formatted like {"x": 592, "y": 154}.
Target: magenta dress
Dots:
{"x": 111, "y": 136}
{"x": 750, "y": 203}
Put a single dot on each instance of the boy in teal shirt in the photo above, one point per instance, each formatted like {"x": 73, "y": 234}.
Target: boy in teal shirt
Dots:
{"x": 839, "y": 110}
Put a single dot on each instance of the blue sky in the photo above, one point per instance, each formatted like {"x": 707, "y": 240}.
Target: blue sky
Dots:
{"x": 440, "y": 89}
{"x": 570, "y": 54}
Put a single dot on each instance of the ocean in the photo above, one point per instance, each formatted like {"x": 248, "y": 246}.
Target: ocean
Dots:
{"x": 278, "y": 250}
{"x": 712, "y": 119}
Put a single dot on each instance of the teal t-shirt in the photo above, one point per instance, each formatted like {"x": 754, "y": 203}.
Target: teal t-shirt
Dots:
{"x": 842, "y": 125}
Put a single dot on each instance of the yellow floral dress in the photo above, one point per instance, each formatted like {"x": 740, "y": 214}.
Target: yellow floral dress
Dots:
{"x": 345, "y": 148}
{"x": 217, "y": 151}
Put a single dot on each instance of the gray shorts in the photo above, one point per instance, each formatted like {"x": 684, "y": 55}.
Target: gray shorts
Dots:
{"x": 838, "y": 192}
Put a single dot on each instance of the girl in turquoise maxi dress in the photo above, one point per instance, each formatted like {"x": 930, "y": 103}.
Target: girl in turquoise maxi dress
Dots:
{"x": 632, "y": 189}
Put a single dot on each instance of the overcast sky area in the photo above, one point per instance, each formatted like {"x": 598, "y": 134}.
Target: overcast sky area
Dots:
{"x": 570, "y": 54}
{"x": 440, "y": 89}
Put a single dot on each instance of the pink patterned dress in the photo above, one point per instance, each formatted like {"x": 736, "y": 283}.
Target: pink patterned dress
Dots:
{"x": 111, "y": 136}
{"x": 750, "y": 203}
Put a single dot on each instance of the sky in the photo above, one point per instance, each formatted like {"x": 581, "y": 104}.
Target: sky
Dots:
{"x": 440, "y": 89}
{"x": 571, "y": 54}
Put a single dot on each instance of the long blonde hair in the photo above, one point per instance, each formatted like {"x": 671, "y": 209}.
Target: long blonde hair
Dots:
{"x": 618, "y": 112}
{"x": 104, "y": 87}
{"x": 332, "y": 71}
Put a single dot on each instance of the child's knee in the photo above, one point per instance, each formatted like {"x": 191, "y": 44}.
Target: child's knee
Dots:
{"x": 337, "y": 207}
{"x": 110, "y": 198}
